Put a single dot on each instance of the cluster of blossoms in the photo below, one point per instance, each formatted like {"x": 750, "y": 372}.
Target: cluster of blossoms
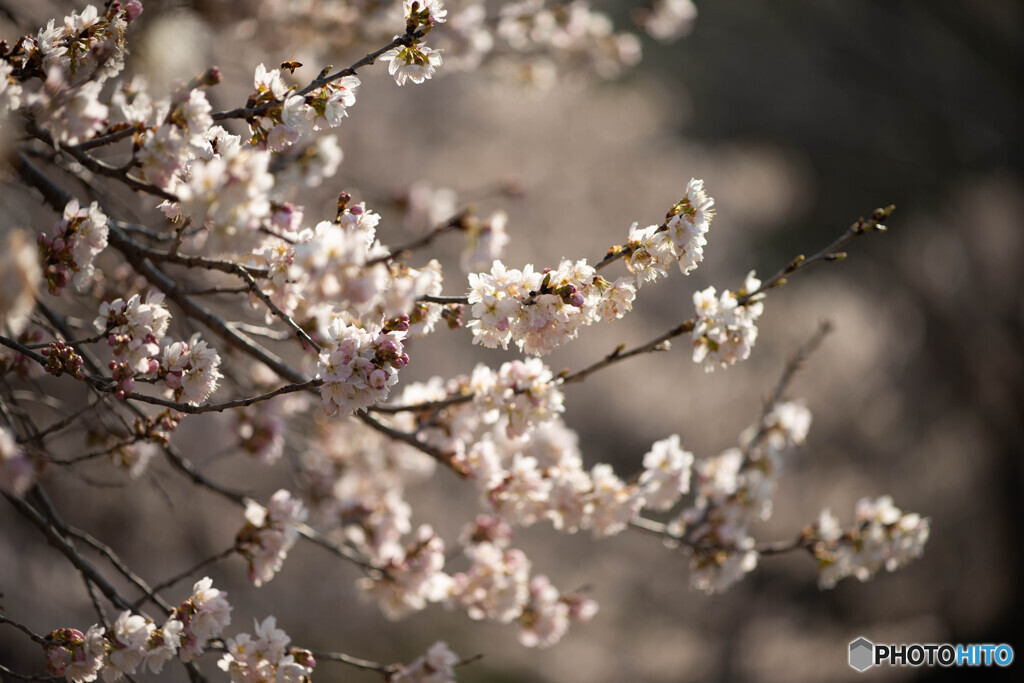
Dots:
{"x": 542, "y": 310}
{"x": 499, "y": 586}
{"x": 16, "y": 471}
{"x": 69, "y": 251}
{"x": 73, "y": 60}
{"x": 416, "y": 62}
{"x": 881, "y": 536}
{"x": 410, "y": 578}
{"x": 269, "y": 533}
{"x": 530, "y": 42}
{"x": 357, "y": 484}
{"x": 266, "y": 657}
{"x": 134, "y": 330}
{"x": 190, "y": 369}
{"x": 228, "y": 194}
{"x": 261, "y": 427}
{"x": 359, "y": 367}
{"x": 291, "y": 116}
{"x": 725, "y": 331}
{"x": 541, "y": 477}
{"x": 526, "y": 463}
{"x": 134, "y": 453}
{"x": 522, "y": 392}
{"x": 87, "y": 47}
{"x": 734, "y": 490}
{"x": 313, "y": 273}
{"x": 19, "y": 280}
{"x": 135, "y": 641}
{"x": 652, "y": 250}
{"x": 548, "y": 36}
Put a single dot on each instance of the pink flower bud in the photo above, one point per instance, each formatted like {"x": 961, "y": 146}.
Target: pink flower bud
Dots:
{"x": 132, "y": 10}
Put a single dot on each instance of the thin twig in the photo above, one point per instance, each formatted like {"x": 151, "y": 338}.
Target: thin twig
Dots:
{"x": 444, "y": 458}
{"x": 124, "y": 569}
{"x": 151, "y": 593}
{"x": 60, "y": 543}
{"x": 455, "y": 222}
{"x": 97, "y": 166}
{"x": 365, "y": 664}
{"x": 24, "y": 629}
{"x": 260, "y": 110}
{"x": 60, "y": 424}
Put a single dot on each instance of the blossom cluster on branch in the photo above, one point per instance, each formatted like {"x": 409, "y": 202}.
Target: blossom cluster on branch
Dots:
{"x": 219, "y": 294}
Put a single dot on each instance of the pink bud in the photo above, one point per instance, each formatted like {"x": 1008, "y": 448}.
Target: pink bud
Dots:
{"x": 132, "y": 10}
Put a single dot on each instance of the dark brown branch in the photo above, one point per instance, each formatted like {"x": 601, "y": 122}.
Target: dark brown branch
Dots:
{"x": 226, "y": 405}
{"x": 24, "y": 629}
{"x": 122, "y": 568}
{"x": 97, "y": 166}
{"x": 60, "y": 543}
{"x": 444, "y": 458}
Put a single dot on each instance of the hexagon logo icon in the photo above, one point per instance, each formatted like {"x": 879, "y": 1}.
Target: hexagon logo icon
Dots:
{"x": 862, "y": 654}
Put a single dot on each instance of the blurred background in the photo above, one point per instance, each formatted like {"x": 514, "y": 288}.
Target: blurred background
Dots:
{"x": 800, "y": 116}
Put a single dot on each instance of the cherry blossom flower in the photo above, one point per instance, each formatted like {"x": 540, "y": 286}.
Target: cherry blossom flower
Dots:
{"x": 77, "y": 656}
{"x": 667, "y": 20}
{"x": 269, "y": 534}
{"x": 436, "y": 666}
{"x": 485, "y": 243}
{"x": 414, "y": 63}
{"x": 522, "y": 394}
{"x": 666, "y": 474}
{"x": 134, "y": 329}
{"x": 411, "y": 579}
{"x": 203, "y": 616}
{"x": 882, "y": 536}
{"x": 128, "y": 639}
{"x": 19, "y": 280}
{"x": 358, "y": 367}
{"x": 190, "y": 369}
{"x": 16, "y": 472}
{"x": 735, "y": 489}
{"x": 266, "y": 657}
{"x": 69, "y": 250}
{"x": 163, "y": 645}
{"x": 725, "y": 331}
